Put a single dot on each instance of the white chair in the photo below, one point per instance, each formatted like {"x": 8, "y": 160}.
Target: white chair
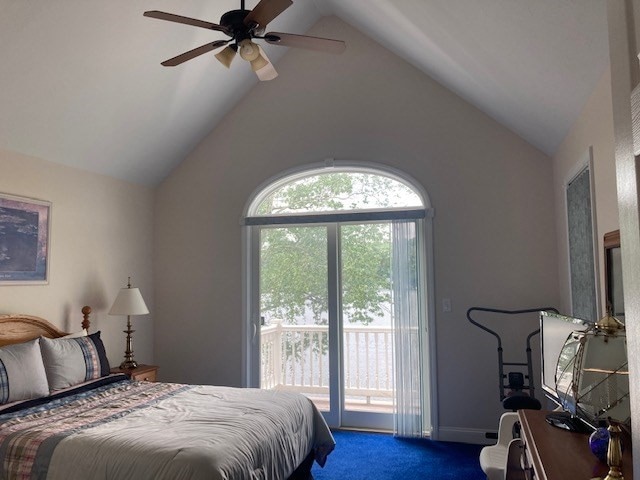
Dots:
{"x": 493, "y": 459}
{"x": 514, "y": 469}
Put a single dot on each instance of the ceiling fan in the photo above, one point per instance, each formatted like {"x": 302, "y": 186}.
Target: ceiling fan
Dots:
{"x": 243, "y": 26}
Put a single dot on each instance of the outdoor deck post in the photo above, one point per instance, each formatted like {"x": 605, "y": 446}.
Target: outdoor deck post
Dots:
{"x": 277, "y": 353}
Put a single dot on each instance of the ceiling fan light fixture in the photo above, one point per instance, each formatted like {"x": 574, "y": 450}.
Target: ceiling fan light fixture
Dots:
{"x": 249, "y": 50}
{"x": 267, "y": 71}
{"x": 259, "y": 63}
{"x": 226, "y": 55}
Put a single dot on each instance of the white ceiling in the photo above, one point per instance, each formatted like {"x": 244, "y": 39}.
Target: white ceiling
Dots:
{"x": 81, "y": 82}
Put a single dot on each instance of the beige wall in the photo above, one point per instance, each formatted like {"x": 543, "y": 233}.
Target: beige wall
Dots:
{"x": 593, "y": 128}
{"x": 101, "y": 232}
{"x": 493, "y": 197}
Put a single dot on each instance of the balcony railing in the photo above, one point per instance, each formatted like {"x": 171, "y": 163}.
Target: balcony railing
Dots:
{"x": 295, "y": 357}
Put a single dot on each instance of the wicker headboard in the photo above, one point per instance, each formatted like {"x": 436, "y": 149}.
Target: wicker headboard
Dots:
{"x": 21, "y": 328}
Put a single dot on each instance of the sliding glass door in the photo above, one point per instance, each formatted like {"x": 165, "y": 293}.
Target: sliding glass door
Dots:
{"x": 366, "y": 351}
{"x": 327, "y": 314}
{"x": 336, "y": 297}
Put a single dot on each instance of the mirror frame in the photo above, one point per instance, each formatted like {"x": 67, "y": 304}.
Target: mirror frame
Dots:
{"x": 612, "y": 270}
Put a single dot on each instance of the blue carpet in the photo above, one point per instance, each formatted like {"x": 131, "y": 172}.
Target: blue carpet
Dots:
{"x": 377, "y": 456}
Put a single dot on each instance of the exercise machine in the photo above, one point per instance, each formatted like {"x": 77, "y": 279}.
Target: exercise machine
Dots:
{"x": 516, "y": 389}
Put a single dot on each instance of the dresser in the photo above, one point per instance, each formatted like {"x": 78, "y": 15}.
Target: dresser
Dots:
{"x": 551, "y": 453}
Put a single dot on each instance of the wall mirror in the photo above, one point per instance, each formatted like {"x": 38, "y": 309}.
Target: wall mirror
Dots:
{"x": 613, "y": 274}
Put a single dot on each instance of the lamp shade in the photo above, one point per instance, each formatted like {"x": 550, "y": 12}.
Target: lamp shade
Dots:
{"x": 129, "y": 302}
{"x": 263, "y": 67}
{"x": 259, "y": 63}
{"x": 592, "y": 377}
{"x": 226, "y": 55}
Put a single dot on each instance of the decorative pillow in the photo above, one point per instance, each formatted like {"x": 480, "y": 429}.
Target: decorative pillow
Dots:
{"x": 70, "y": 361}
{"x": 22, "y": 374}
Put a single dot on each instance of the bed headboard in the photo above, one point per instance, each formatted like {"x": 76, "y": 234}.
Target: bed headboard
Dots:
{"x": 17, "y": 328}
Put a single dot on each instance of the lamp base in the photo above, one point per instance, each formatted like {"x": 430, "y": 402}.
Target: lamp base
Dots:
{"x": 128, "y": 365}
{"x": 567, "y": 421}
{"x": 129, "y": 362}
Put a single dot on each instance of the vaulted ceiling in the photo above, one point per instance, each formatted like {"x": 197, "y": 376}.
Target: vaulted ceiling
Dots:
{"x": 81, "y": 82}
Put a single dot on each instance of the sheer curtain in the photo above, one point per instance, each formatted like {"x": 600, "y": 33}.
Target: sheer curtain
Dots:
{"x": 408, "y": 420}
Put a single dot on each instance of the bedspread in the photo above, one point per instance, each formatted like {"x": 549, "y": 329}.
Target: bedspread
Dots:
{"x": 142, "y": 430}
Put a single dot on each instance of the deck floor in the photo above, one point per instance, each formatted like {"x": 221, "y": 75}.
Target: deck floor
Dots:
{"x": 354, "y": 405}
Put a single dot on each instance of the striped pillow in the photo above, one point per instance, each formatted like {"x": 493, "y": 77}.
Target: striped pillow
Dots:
{"x": 70, "y": 361}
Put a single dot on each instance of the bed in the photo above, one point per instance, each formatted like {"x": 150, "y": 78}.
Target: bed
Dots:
{"x": 64, "y": 416}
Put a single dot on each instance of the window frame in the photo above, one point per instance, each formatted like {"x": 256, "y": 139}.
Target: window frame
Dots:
{"x": 250, "y": 275}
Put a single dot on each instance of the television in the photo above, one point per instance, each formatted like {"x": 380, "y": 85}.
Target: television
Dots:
{"x": 554, "y": 331}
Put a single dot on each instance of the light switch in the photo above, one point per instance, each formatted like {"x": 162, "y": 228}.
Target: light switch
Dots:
{"x": 446, "y": 305}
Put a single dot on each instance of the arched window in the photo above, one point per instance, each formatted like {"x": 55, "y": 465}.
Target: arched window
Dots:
{"x": 335, "y": 191}
{"x": 337, "y": 294}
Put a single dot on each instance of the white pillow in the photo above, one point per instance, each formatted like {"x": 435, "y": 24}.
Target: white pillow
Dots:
{"x": 22, "y": 373}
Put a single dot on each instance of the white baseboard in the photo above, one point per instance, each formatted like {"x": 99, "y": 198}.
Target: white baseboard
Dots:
{"x": 464, "y": 435}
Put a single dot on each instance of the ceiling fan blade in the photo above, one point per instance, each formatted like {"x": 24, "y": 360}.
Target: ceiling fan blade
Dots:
{"x": 265, "y": 11}
{"x": 264, "y": 71}
{"x": 303, "y": 41}
{"x": 185, "y": 20}
{"x": 172, "y": 62}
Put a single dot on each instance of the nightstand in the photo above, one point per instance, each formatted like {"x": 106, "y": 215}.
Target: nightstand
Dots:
{"x": 143, "y": 373}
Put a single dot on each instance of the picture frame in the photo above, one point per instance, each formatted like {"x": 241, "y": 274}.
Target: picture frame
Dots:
{"x": 613, "y": 274}
{"x": 24, "y": 240}
{"x": 582, "y": 244}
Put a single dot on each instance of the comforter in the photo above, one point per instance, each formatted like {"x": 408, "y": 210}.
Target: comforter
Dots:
{"x": 140, "y": 430}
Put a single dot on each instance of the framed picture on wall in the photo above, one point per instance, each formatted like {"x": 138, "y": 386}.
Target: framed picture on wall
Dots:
{"x": 24, "y": 240}
{"x": 581, "y": 233}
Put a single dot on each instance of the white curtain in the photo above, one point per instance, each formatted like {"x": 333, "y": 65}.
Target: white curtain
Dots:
{"x": 407, "y": 326}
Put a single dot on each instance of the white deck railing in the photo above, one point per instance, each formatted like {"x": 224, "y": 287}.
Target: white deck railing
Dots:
{"x": 295, "y": 357}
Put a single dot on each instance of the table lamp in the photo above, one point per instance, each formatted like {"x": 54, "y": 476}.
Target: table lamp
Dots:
{"x": 592, "y": 377}
{"x": 129, "y": 302}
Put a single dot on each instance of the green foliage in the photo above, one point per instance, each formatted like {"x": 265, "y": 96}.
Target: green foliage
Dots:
{"x": 294, "y": 272}
{"x": 366, "y": 271}
{"x": 294, "y": 259}
{"x": 338, "y": 191}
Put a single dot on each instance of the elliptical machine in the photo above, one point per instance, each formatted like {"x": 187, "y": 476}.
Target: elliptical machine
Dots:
{"x": 518, "y": 392}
